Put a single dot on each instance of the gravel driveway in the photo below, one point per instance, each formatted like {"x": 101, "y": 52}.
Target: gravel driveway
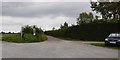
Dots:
{"x": 56, "y": 48}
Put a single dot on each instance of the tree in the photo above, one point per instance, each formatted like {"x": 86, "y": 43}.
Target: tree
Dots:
{"x": 3, "y": 32}
{"x": 61, "y": 26}
{"x": 9, "y": 32}
{"x": 64, "y": 26}
{"x": 31, "y": 29}
{"x": 91, "y": 16}
{"x": 53, "y": 28}
{"x": 27, "y": 29}
{"x": 108, "y": 10}
{"x": 84, "y": 18}
{"x": 39, "y": 30}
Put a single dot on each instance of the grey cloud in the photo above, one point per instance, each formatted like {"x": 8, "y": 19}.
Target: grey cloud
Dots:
{"x": 45, "y": 0}
{"x": 43, "y": 14}
{"x": 0, "y": 9}
{"x": 38, "y": 9}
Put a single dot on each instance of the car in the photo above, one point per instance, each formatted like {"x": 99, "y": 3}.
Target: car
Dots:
{"x": 113, "y": 39}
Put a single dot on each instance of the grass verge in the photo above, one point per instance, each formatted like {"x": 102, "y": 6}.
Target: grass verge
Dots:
{"x": 28, "y": 38}
{"x": 70, "y": 39}
{"x": 103, "y": 45}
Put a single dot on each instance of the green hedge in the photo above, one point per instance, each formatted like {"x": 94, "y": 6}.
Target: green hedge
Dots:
{"x": 90, "y": 31}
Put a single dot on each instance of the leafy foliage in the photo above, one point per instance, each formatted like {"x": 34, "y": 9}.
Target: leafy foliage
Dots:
{"x": 29, "y": 29}
{"x": 64, "y": 26}
{"x": 84, "y": 18}
{"x": 109, "y": 10}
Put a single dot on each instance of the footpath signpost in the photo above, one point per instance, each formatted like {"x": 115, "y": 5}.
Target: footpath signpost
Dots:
{"x": 22, "y": 32}
{"x": 34, "y": 31}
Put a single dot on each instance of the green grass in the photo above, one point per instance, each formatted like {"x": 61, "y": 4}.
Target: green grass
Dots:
{"x": 28, "y": 38}
{"x": 70, "y": 39}
{"x": 103, "y": 45}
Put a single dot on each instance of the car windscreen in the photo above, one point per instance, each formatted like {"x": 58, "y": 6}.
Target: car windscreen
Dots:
{"x": 114, "y": 35}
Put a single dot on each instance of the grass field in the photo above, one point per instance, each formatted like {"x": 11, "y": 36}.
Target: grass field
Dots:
{"x": 103, "y": 45}
{"x": 28, "y": 38}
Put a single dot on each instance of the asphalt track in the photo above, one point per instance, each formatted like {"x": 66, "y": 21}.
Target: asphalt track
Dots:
{"x": 56, "y": 48}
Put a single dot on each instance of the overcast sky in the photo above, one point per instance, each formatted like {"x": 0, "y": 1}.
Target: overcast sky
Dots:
{"x": 43, "y": 14}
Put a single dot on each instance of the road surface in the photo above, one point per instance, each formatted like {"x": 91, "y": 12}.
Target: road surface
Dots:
{"x": 56, "y": 48}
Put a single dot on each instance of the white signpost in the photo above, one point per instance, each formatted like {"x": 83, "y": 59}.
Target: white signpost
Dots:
{"x": 22, "y": 31}
{"x": 34, "y": 31}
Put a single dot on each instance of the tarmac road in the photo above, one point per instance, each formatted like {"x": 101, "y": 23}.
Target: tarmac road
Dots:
{"x": 56, "y": 48}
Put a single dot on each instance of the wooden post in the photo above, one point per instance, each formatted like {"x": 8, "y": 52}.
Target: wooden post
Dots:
{"x": 22, "y": 33}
